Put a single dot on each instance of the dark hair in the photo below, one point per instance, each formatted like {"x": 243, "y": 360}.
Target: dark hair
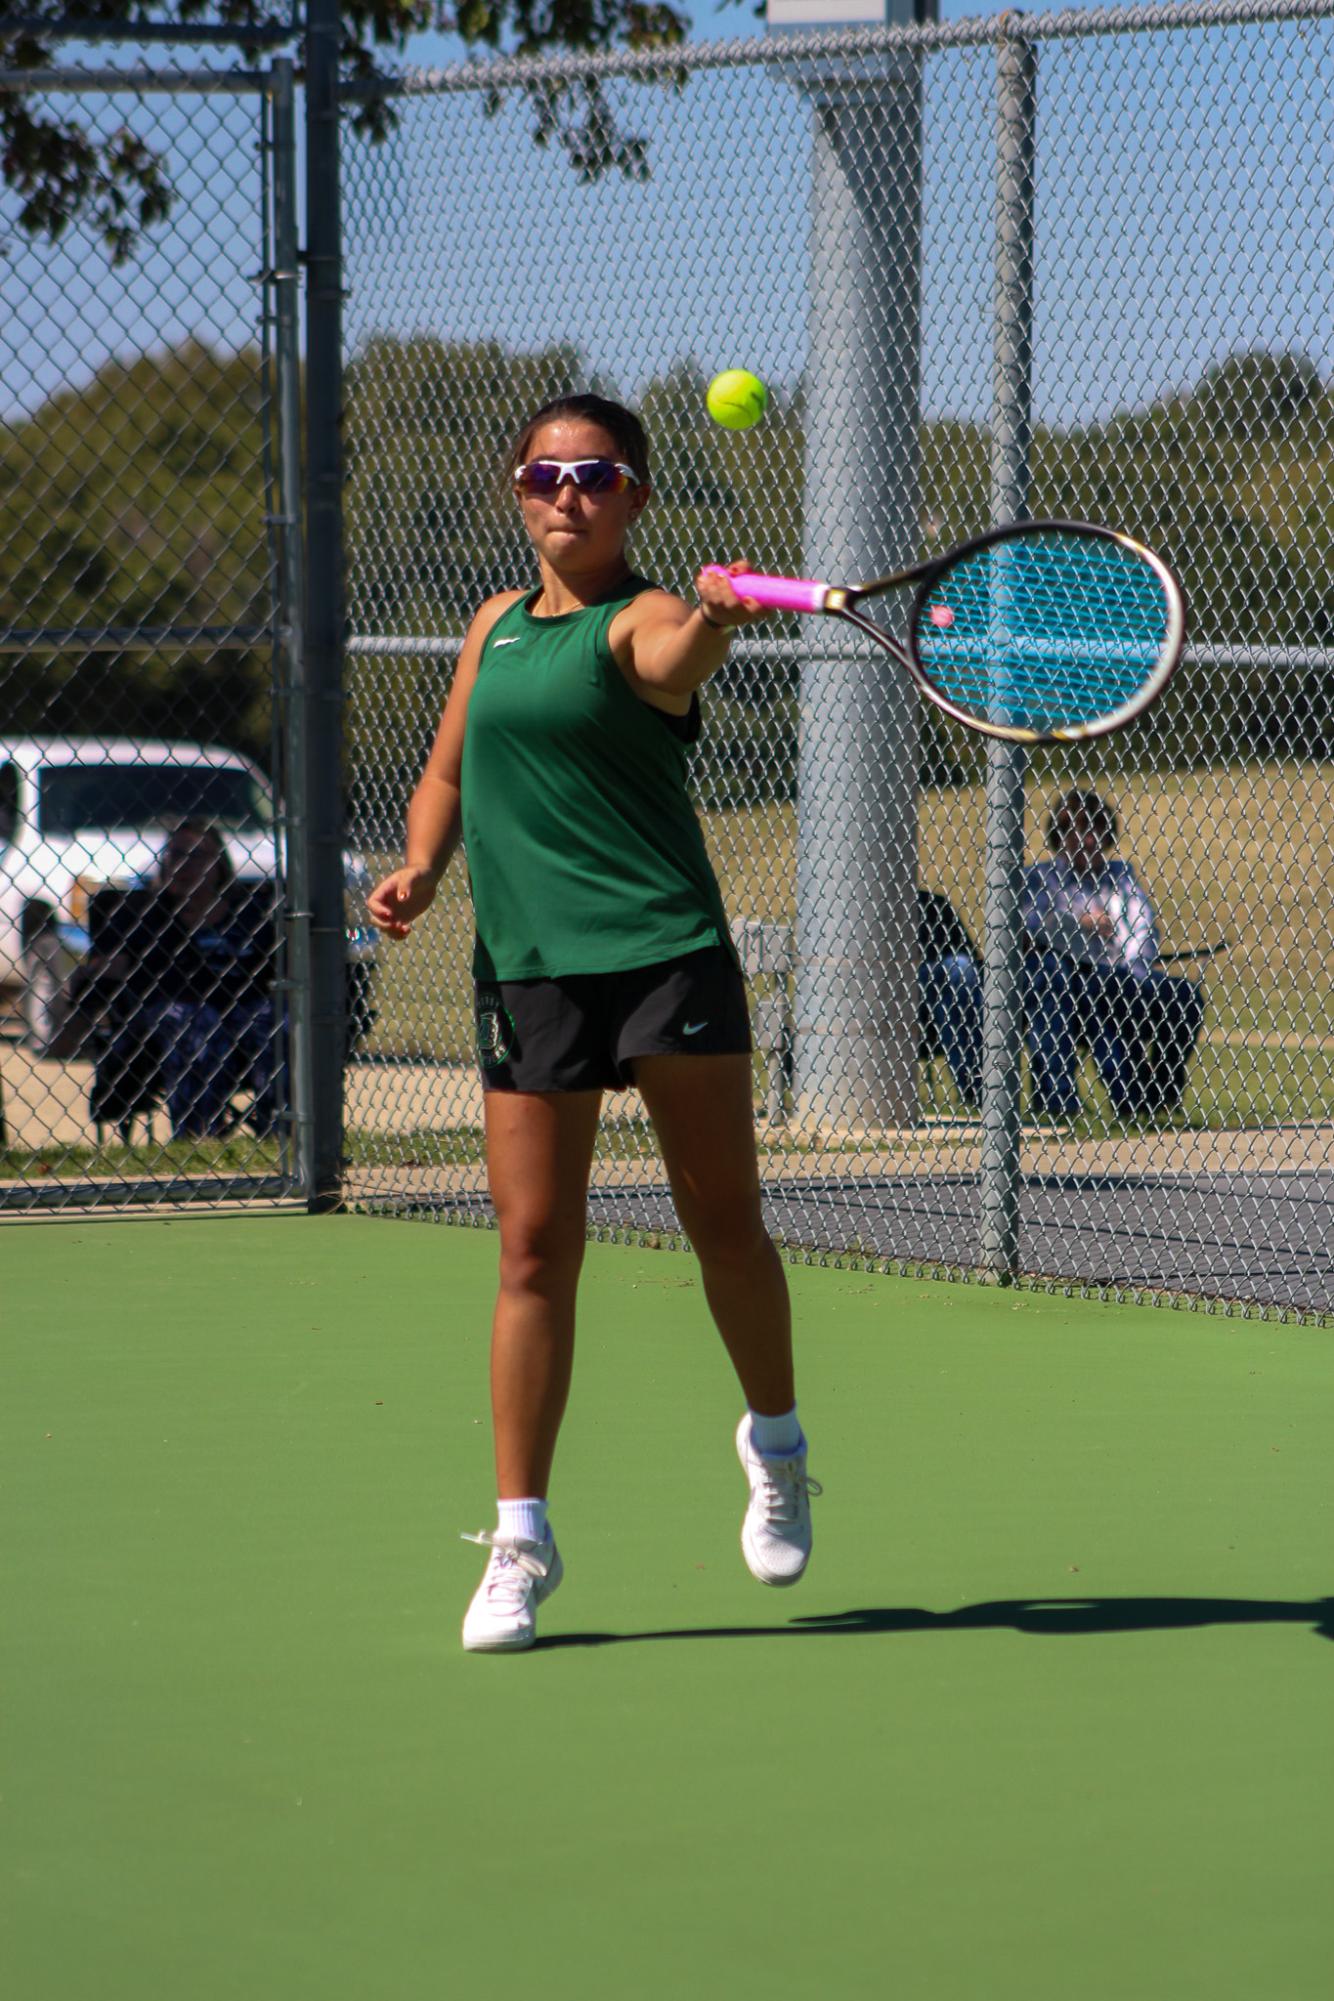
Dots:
{"x": 1088, "y": 806}
{"x": 621, "y": 425}
{"x": 197, "y": 826}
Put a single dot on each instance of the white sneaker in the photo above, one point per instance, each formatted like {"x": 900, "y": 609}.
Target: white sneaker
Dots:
{"x": 502, "y": 1617}
{"x": 776, "y": 1534}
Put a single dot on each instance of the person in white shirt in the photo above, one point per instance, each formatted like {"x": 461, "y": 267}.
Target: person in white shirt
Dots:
{"x": 1092, "y": 974}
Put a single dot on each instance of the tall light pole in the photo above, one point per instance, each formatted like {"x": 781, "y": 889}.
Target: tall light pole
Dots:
{"x": 856, "y": 998}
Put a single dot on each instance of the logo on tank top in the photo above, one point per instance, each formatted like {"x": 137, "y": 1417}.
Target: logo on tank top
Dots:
{"x": 495, "y": 1029}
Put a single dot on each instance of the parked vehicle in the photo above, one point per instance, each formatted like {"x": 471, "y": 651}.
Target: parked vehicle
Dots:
{"x": 84, "y": 814}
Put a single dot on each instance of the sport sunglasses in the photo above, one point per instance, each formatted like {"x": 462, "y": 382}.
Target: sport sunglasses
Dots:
{"x": 543, "y": 477}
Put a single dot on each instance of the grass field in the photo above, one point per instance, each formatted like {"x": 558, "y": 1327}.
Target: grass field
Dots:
{"x": 1238, "y": 853}
{"x": 240, "y": 1155}
{"x": 1048, "y": 1718}
{"x": 1227, "y": 854}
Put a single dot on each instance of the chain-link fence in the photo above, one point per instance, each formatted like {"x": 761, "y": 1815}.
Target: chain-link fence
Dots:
{"x": 141, "y": 619}
{"x": 1076, "y": 267}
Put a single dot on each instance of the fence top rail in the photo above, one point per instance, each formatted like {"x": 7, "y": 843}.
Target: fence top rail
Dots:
{"x": 1064, "y": 24}
{"x": 139, "y": 82}
{"x": 823, "y": 645}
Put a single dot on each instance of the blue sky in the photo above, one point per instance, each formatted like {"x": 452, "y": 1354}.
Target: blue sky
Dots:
{"x": 1170, "y": 234}
{"x": 1188, "y": 250}
{"x": 65, "y": 312}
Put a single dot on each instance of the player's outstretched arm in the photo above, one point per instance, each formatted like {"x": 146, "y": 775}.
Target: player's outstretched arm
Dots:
{"x": 674, "y": 647}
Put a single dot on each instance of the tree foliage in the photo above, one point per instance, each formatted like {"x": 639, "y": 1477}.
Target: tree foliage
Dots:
{"x": 61, "y": 172}
{"x": 138, "y": 501}
{"x": 1232, "y": 481}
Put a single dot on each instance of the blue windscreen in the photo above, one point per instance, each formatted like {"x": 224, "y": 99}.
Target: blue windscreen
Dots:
{"x": 1045, "y": 631}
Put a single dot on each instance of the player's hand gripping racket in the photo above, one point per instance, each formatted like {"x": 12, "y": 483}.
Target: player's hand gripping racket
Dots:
{"x": 1049, "y": 632}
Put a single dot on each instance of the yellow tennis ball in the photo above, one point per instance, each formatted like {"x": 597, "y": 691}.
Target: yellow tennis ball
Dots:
{"x": 736, "y": 399}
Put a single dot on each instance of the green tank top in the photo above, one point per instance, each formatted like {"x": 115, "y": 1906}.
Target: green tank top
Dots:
{"x": 584, "y": 852}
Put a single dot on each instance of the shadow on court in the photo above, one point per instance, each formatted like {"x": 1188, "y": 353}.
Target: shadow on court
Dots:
{"x": 1043, "y": 1616}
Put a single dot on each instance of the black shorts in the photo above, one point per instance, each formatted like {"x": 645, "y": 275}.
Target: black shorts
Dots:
{"x": 584, "y": 1032}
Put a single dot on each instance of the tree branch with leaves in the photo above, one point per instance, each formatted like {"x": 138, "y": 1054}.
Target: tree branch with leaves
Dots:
{"x": 62, "y": 173}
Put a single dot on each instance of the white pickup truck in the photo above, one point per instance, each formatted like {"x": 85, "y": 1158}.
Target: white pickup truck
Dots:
{"x": 82, "y": 814}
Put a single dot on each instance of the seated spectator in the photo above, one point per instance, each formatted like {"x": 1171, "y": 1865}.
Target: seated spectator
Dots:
{"x": 181, "y": 974}
{"x": 949, "y": 985}
{"x": 1091, "y": 973}
{"x": 1090, "y": 977}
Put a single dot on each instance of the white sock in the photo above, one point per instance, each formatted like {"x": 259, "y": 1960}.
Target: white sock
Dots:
{"x": 522, "y": 1521}
{"x": 776, "y": 1437}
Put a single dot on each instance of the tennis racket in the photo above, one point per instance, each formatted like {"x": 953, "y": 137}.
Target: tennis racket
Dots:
{"x": 1048, "y": 632}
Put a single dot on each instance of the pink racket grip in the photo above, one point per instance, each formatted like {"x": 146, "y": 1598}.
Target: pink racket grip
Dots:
{"x": 775, "y": 593}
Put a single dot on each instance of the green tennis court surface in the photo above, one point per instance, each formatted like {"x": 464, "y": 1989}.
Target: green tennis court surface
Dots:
{"x": 1050, "y": 1717}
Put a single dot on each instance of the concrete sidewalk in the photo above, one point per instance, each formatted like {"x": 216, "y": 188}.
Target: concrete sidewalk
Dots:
{"x": 46, "y": 1104}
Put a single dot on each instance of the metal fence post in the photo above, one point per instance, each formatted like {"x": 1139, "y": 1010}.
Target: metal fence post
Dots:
{"x": 284, "y": 276}
{"x": 1011, "y": 433}
{"x": 856, "y": 989}
{"x": 322, "y": 687}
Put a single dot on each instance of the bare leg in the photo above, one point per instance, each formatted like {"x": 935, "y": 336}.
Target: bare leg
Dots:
{"x": 703, "y": 1114}
{"x": 539, "y": 1148}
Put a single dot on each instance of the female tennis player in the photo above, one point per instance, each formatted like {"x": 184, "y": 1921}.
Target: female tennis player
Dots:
{"x": 602, "y": 958}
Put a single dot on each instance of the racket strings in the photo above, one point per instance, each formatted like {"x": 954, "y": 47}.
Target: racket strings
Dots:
{"x": 1052, "y": 632}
